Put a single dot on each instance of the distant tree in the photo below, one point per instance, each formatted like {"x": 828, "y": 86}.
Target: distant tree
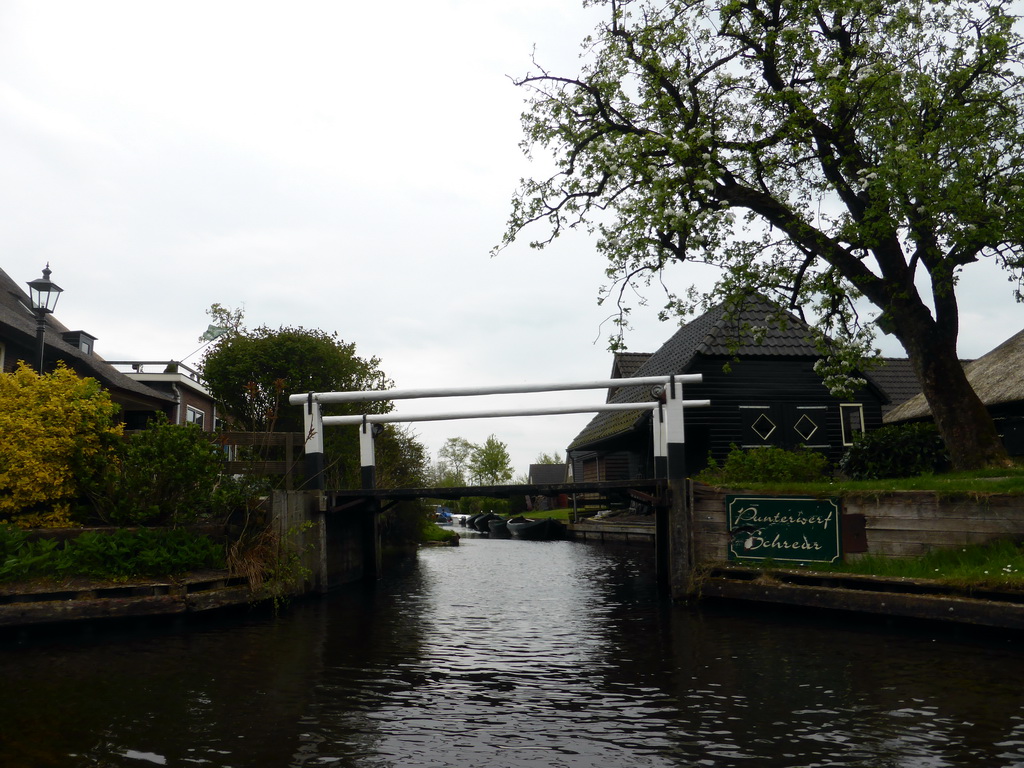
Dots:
{"x": 455, "y": 456}
{"x": 402, "y": 462}
{"x": 490, "y": 463}
{"x": 814, "y": 151}
{"x": 442, "y": 475}
{"x": 549, "y": 458}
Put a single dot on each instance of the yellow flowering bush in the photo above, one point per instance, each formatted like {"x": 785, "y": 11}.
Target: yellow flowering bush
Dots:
{"x": 56, "y": 431}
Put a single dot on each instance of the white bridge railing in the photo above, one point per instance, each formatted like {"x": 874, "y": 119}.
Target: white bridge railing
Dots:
{"x": 667, "y": 400}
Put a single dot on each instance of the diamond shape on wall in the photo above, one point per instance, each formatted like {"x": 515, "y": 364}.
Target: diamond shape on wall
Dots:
{"x": 763, "y": 426}
{"x": 805, "y": 427}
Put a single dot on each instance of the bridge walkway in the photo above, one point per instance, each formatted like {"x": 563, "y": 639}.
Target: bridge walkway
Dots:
{"x": 654, "y": 492}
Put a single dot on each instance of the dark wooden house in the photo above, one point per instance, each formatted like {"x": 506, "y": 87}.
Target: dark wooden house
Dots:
{"x": 758, "y": 374}
{"x": 547, "y": 474}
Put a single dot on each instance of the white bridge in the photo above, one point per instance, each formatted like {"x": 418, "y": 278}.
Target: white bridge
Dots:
{"x": 667, "y": 400}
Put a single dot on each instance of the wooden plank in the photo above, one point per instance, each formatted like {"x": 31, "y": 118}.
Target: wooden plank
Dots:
{"x": 79, "y": 610}
{"x": 218, "y": 598}
{"x": 987, "y": 613}
{"x": 950, "y": 525}
{"x": 503, "y": 491}
{"x": 257, "y": 439}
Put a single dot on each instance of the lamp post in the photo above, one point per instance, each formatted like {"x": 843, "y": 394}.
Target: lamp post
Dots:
{"x": 44, "y": 294}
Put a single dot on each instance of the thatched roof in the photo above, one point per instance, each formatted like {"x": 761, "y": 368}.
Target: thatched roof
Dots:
{"x": 18, "y": 325}
{"x": 995, "y": 376}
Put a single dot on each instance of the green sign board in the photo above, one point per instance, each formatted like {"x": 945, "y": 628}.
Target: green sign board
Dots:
{"x": 799, "y": 529}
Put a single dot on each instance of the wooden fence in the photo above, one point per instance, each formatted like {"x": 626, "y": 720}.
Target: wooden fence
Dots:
{"x": 893, "y": 524}
{"x": 289, "y": 467}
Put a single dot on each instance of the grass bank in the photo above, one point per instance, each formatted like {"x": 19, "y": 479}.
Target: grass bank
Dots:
{"x": 1008, "y": 482}
{"x": 995, "y": 565}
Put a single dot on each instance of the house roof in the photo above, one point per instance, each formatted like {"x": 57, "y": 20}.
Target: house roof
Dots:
{"x": 624, "y": 366}
{"x": 995, "y": 377}
{"x": 547, "y": 473}
{"x": 756, "y": 329}
{"x": 18, "y": 323}
{"x": 895, "y": 377}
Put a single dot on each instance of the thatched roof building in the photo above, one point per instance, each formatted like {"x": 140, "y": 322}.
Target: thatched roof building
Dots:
{"x": 73, "y": 348}
{"x": 996, "y": 377}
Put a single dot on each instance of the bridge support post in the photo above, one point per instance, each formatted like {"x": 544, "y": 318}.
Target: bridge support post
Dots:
{"x": 674, "y": 525}
{"x": 660, "y": 448}
{"x": 370, "y": 514}
{"x": 313, "y": 427}
{"x": 300, "y": 526}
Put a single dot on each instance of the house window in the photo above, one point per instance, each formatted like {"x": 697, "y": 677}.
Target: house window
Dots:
{"x": 808, "y": 423}
{"x": 760, "y": 425}
{"x": 852, "y": 417}
{"x": 194, "y": 416}
{"x": 81, "y": 340}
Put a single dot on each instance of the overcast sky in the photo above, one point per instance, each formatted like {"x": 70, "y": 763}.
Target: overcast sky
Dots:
{"x": 335, "y": 165}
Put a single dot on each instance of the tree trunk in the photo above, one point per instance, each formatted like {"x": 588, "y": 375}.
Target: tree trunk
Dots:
{"x": 963, "y": 421}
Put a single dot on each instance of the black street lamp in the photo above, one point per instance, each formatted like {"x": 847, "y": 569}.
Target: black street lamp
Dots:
{"x": 44, "y": 294}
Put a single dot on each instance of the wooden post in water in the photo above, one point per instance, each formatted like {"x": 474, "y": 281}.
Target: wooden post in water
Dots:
{"x": 677, "y": 526}
{"x": 372, "y": 568}
{"x": 662, "y": 550}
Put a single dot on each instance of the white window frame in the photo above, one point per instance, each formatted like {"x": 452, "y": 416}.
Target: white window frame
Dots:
{"x": 191, "y": 411}
{"x": 848, "y": 432}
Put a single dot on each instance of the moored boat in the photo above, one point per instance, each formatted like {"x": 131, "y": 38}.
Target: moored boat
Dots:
{"x": 544, "y": 529}
{"x": 499, "y": 528}
{"x": 443, "y": 516}
{"x": 481, "y": 522}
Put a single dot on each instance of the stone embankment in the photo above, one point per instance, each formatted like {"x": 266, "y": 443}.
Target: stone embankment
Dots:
{"x": 914, "y": 599}
{"x": 26, "y": 605}
{"x": 866, "y": 595}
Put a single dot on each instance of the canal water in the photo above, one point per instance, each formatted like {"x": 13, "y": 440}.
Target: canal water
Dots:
{"x": 508, "y": 654}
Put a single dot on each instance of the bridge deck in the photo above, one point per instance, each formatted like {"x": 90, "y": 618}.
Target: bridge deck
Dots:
{"x": 651, "y": 491}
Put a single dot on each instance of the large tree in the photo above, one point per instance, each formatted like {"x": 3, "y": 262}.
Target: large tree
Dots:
{"x": 251, "y": 373}
{"x": 819, "y": 152}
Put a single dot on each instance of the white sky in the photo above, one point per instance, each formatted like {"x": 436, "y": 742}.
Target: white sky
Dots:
{"x": 335, "y": 165}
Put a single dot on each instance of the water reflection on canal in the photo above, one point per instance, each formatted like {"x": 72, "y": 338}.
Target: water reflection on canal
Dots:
{"x": 505, "y": 654}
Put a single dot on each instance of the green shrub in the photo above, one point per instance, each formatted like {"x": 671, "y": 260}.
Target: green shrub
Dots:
{"x": 896, "y": 450}
{"x": 56, "y": 432}
{"x": 143, "y": 552}
{"x": 22, "y": 559}
{"x": 162, "y": 475}
{"x": 117, "y": 555}
{"x": 766, "y": 465}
